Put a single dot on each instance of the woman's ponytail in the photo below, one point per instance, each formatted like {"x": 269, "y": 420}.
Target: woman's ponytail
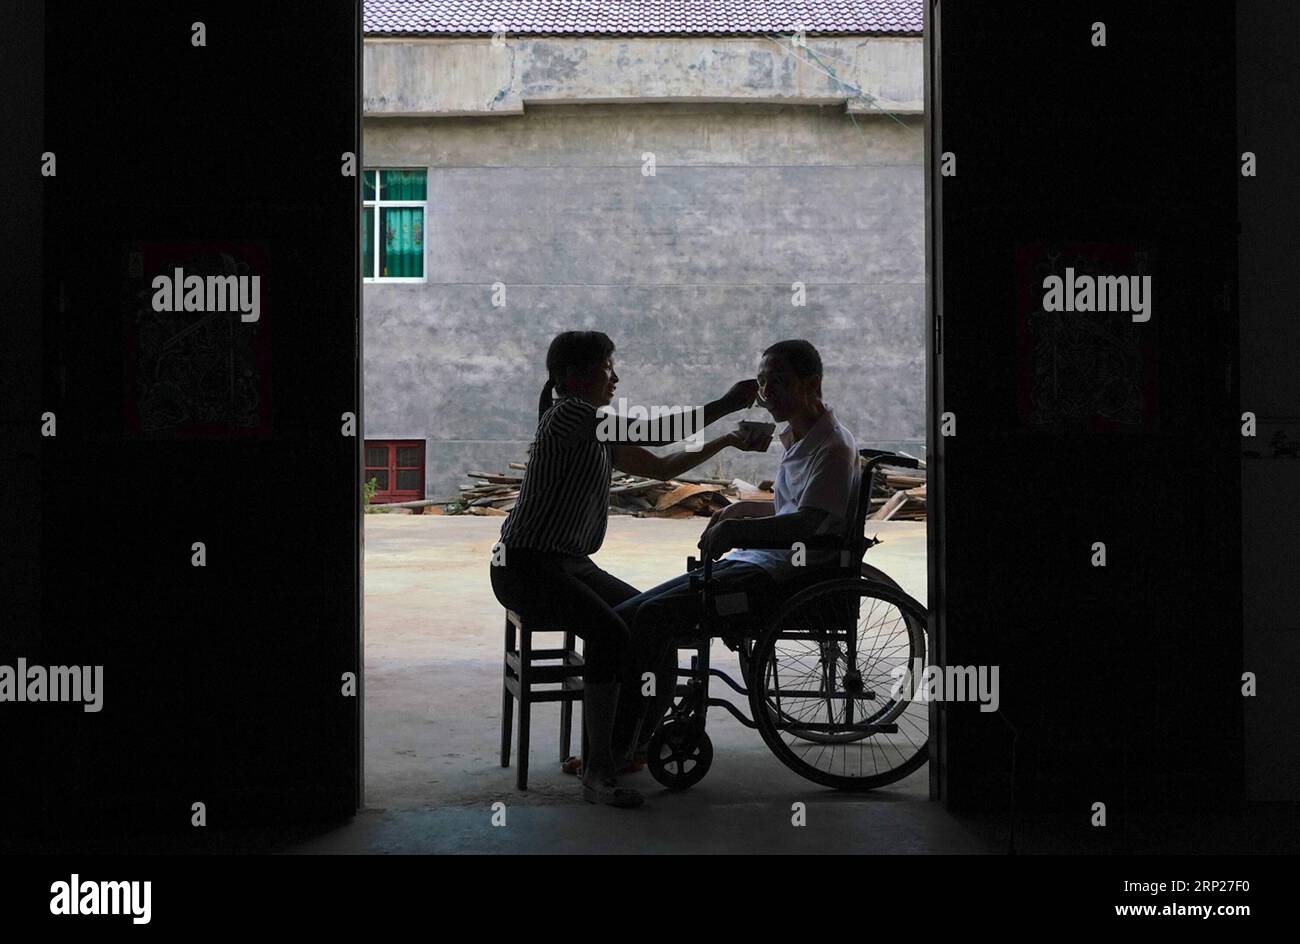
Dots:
{"x": 545, "y": 401}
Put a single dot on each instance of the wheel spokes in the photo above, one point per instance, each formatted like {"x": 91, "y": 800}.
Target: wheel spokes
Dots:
{"x": 847, "y": 682}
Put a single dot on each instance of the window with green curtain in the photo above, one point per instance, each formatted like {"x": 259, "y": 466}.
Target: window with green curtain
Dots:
{"x": 392, "y": 220}
{"x": 402, "y": 185}
{"x": 402, "y": 251}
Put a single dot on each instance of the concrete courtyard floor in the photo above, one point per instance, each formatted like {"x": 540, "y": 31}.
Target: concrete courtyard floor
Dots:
{"x": 432, "y": 728}
{"x": 433, "y": 644}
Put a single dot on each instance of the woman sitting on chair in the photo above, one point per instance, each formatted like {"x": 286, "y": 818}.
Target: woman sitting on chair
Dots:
{"x": 544, "y": 570}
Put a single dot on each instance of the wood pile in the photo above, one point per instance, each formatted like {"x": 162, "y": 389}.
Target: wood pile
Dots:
{"x": 898, "y": 495}
{"x": 680, "y": 498}
{"x": 495, "y": 493}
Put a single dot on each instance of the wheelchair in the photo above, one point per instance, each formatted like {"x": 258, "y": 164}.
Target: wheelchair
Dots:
{"x": 828, "y": 675}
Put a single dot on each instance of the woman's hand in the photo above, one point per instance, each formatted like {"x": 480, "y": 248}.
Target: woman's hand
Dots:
{"x": 749, "y": 440}
{"x": 741, "y": 395}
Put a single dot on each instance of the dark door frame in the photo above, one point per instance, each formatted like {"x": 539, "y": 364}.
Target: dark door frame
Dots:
{"x": 934, "y": 529}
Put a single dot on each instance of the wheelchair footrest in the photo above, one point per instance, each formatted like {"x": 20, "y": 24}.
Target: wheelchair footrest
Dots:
{"x": 735, "y": 712}
{"x": 732, "y": 683}
{"x": 822, "y": 728}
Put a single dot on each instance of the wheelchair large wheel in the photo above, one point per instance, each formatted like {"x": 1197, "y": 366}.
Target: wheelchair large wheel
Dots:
{"x": 745, "y": 651}
{"x": 830, "y": 689}
{"x": 875, "y": 573}
{"x": 916, "y": 640}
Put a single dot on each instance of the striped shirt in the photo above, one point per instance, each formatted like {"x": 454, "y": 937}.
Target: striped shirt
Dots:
{"x": 563, "y": 503}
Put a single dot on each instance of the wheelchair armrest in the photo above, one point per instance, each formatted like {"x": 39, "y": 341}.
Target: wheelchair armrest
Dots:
{"x": 832, "y": 542}
{"x": 821, "y": 542}
{"x": 885, "y": 457}
{"x": 826, "y": 542}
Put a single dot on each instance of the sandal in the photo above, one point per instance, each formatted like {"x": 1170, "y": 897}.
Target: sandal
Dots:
{"x": 607, "y": 791}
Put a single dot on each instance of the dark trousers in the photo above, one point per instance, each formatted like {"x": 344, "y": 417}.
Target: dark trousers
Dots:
{"x": 655, "y": 617}
{"x": 569, "y": 592}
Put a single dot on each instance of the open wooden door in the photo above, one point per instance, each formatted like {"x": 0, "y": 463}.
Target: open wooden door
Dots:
{"x": 1071, "y": 434}
{"x": 226, "y": 622}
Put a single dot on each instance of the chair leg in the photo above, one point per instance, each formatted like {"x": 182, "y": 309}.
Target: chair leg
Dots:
{"x": 586, "y": 751}
{"x": 507, "y": 700}
{"x": 566, "y": 708}
{"x": 525, "y": 706}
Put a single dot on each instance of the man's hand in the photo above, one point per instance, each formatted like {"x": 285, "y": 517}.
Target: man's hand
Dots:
{"x": 741, "y": 395}
{"x": 722, "y": 514}
{"x": 742, "y": 509}
{"x": 717, "y": 539}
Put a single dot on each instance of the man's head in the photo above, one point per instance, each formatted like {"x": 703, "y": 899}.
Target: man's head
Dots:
{"x": 790, "y": 379}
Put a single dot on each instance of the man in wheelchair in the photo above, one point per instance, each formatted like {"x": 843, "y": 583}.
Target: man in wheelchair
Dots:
{"x": 814, "y": 491}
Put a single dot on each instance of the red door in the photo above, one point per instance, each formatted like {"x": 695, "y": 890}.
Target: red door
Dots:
{"x": 398, "y": 469}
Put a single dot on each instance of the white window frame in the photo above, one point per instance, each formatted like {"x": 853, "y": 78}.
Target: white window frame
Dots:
{"x": 379, "y": 202}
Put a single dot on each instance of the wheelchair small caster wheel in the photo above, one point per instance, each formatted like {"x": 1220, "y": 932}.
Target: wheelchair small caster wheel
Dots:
{"x": 680, "y": 754}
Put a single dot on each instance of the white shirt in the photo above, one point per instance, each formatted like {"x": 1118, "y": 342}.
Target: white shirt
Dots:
{"x": 819, "y": 471}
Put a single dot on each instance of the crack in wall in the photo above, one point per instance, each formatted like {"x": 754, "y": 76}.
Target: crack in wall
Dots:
{"x": 510, "y": 83}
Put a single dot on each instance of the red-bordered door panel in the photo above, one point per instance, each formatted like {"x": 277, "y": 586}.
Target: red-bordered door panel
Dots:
{"x": 397, "y": 465}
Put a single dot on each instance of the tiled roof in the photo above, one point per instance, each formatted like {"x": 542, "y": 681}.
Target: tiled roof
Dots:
{"x": 640, "y": 17}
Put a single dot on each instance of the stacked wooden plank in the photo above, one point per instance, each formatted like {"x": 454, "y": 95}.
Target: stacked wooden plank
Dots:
{"x": 495, "y": 493}
{"x": 898, "y": 495}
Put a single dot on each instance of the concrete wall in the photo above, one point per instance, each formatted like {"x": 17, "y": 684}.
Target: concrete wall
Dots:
{"x": 466, "y": 76}
{"x": 689, "y": 271}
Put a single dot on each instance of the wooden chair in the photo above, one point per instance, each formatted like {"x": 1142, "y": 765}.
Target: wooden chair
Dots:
{"x": 523, "y": 672}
